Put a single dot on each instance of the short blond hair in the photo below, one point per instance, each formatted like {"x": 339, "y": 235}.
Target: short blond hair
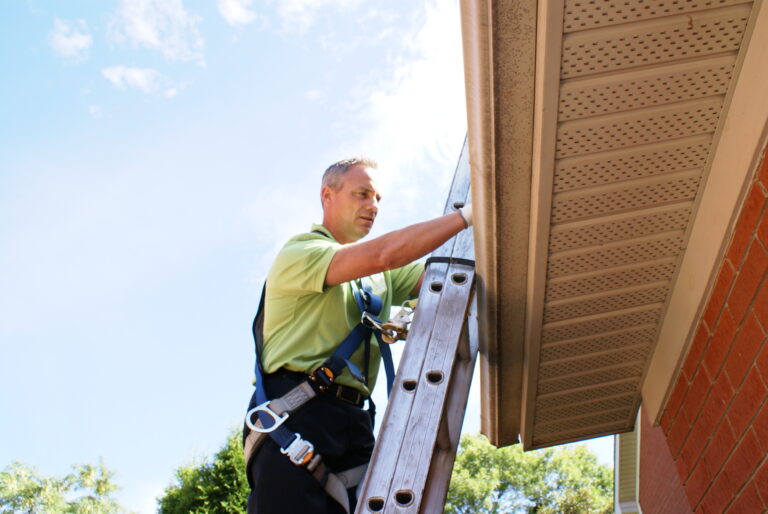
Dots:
{"x": 333, "y": 174}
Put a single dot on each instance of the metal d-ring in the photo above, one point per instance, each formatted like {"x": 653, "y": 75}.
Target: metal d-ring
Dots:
{"x": 264, "y": 407}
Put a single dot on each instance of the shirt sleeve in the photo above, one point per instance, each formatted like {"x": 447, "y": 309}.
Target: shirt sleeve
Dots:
{"x": 404, "y": 280}
{"x": 301, "y": 266}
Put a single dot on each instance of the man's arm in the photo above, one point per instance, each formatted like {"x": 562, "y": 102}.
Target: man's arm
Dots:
{"x": 392, "y": 250}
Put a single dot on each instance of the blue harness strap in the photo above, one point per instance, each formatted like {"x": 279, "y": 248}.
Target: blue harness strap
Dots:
{"x": 281, "y": 434}
{"x": 258, "y": 339}
{"x": 368, "y": 303}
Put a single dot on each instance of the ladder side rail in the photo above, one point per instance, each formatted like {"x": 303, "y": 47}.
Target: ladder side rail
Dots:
{"x": 458, "y": 194}
{"x": 464, "y": 248}
{"x": 439, "y": 479}
{"x": 396, "y": 417}
{"x": 429, "y": 404}
{"x": 458, "y": 371}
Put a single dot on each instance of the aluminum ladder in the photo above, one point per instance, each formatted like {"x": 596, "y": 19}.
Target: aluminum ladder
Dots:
{"x": 411, "y": 466}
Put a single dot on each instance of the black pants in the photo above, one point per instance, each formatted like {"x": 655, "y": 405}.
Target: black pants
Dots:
{"x": 341, "y": 433}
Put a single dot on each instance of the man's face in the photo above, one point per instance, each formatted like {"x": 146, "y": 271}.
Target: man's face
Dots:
{"x": 354, "y": 207}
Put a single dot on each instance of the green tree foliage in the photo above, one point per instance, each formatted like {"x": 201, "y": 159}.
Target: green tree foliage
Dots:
{"x": 217, "y": 486}
{"x": 566, "y": 480}
{"x": 84, "y": 491}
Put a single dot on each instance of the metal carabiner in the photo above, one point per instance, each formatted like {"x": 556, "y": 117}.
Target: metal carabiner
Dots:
{"x": 264, "y": 407}
{"x": 370, "y": 321}
{"x": 392, "y": 332}
{"x": 396, "y": 329}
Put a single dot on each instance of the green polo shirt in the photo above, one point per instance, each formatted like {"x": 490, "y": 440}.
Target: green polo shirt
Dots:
{"x": 305, "y": 321}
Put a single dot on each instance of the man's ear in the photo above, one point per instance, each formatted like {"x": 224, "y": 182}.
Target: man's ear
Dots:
{"x": 326, "y": 193}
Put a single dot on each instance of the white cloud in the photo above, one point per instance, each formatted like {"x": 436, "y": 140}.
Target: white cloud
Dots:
{"x": 416, "y": 118}
{"x": 95, "y": 110}
{"x": 409, "y": 115}
{"x": 162, "y": 25}
{"x": 236, "y": 12}
{"x": 299, "y": 15}
{"x": 144, "y": 79}
{"x": 70, "y": 40}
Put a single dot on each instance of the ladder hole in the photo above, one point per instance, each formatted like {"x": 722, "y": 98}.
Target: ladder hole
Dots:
{"x": 436, "y": 287}
{"x": 404, "y": 498}
{"x": 434, "y": 377}
{"x": 458, "y": 205}
{"x": 376, "y": 504}
{"x": 409, "y": 385}
{"x": 459, "y": 278}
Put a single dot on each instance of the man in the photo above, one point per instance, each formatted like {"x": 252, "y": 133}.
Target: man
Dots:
{"x": 310, "y": 308}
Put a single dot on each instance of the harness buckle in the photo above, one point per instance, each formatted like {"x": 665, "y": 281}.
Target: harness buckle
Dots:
{"x": 349, "y": 395}
{"x": 264, "y": 407}
{"x": 322, "y": 377}
{"x": 300, "y": 452}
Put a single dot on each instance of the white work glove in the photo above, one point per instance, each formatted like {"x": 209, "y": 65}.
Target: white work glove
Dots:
{"x": 466, "y": 213}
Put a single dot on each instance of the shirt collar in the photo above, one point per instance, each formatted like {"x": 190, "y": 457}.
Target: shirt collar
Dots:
{"x": 316, "y": 227}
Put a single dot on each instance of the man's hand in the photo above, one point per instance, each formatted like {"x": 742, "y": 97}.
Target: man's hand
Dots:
{"x": 466, "y": 214}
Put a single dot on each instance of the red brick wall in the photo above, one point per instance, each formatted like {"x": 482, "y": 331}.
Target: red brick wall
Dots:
{"x": 660, "y": 489}
{"x": 716, "y": 420}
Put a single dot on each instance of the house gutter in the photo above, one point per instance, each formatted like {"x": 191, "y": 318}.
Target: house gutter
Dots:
{"x": 499, "y": 119}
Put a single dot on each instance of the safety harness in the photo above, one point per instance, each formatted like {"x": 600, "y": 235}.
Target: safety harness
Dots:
{"x": 270, "y": 414}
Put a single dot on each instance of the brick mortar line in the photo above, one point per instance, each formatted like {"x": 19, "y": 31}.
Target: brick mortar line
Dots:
{"x": 724, "y": 416}
{"x": 735, "y": 271}
{"x": 739, "y": 325}
{"x": 746, "y": 483}
{"x": 750, "y": 308}
{"x": 710, "y": 331}
{"x": 738, "y": 439}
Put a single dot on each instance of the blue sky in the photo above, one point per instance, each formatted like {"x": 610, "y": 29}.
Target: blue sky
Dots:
{"x": 154, "y": 155}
